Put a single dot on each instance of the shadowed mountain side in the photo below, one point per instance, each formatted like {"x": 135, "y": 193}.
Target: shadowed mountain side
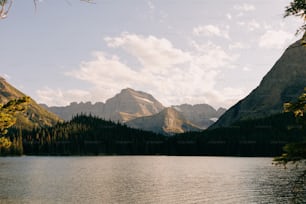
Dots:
{"x": 283, "y": 83}
{"x": 168, "y": 122}
{"x": 201, "y": 115}
{"x": 35, "y": 115}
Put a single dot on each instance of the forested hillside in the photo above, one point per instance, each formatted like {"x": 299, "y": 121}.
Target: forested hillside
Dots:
{"x": 88, "y": 135}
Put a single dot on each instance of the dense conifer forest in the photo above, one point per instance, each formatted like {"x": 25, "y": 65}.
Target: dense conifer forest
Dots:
{"x": 89, "y": 135}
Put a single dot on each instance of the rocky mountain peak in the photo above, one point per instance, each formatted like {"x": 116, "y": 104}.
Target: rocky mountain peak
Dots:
{"x": 130, "y": 104}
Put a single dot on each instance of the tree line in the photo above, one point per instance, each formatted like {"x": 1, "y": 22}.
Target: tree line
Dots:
{"x": 90, "y": 135}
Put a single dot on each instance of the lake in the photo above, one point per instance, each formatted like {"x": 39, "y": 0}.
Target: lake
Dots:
{"x": 143, "y": 179}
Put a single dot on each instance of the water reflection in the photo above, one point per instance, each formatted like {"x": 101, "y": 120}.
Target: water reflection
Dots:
{"x": 143, "y": 180}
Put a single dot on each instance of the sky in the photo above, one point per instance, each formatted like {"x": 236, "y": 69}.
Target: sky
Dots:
{"x": 180, "y": 51}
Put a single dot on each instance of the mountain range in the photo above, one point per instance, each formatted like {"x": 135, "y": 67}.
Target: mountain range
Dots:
{"x": 141, "y": 110}
{"x": 124, "y": 106}
{"x": 134, "y": 108}
{"x": 283, "y": 83}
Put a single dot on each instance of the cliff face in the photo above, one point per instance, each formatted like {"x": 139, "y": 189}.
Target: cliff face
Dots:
{"x": 130, "y": 104}
{"x": 283, "y": 83}
{"x": 35, "y": 115}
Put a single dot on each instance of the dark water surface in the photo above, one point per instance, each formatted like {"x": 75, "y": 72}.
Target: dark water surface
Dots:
{"x": 141, "y": 179}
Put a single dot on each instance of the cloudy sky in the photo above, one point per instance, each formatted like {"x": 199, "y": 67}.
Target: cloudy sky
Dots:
{"x": 180, "y": 51}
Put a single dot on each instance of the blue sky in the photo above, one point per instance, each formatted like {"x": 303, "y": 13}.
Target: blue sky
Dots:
{"x": 180, "y": 51}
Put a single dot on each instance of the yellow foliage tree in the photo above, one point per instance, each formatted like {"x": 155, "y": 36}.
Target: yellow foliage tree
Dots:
{"x": 8, "y": 113}
{"x": 5, "y": 144}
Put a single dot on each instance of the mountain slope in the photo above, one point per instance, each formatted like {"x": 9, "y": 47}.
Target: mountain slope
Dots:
{"x": 168, "y": 121}
{"x": 35, "y": 115}
{"x": 201, "y": 115}
{"x": 283, "y": 83}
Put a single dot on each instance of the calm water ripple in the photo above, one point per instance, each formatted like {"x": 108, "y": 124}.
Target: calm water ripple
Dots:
{"x": 140, "y": 179}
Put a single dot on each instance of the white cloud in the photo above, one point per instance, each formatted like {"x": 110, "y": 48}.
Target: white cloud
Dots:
{"x": 274, "y": 39}
{"x": 210, "y": 30}
{"x": 245, "y": 7}
{"x": 253, "y": 25}
{"x": 149, "y": 51}
{"x": 151, "y": 5}
{"x": 250, "y": 25}
{"x": 212, "y": 56}
{"x": 238, "y": 45}
{"x": 229, "y": 16}
{"x": 246, "y": 69}
{"x": 57, "y": 97}
{"x": 170, "y": 74}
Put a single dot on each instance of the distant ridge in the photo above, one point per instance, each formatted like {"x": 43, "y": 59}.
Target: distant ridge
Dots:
{"x": 169, "y": 121}
{"x": 131, "y": 106}
{"x": 201, "y": 115}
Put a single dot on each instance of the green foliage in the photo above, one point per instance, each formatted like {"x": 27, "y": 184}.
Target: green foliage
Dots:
{"x": 257, "y": 137}
{"x": 297, "y": 8}
{"x": 295, "y": 152}
{"x": 89, "y": 135}
{"x": 297, "y": 107}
